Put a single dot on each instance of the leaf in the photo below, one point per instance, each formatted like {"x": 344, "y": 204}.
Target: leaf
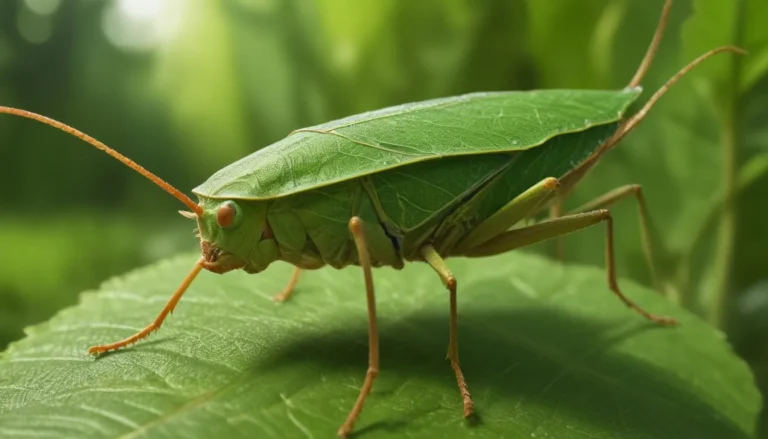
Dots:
{"x": 546, "y": 350}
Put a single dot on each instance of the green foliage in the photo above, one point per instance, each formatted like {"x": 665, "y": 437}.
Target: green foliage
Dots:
{"x": 738, "y": 23}
{"x": 736, "y": 93}
{"x": 244, "y": 74}
{"x": 547, "y": 351}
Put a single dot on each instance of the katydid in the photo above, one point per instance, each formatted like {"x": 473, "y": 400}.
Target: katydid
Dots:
{"x": 421, "y": 182}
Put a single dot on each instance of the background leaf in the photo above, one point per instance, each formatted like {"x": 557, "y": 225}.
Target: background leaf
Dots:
{"x": 734, "y": 91}
{"x": 736, "y": 94}
{"x": 547, "y": 351}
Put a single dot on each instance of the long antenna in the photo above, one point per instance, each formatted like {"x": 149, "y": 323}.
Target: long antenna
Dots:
{"x": 194, "y": 207}
{"x": 638, "y": 117}
{"x": 653, "y": 47}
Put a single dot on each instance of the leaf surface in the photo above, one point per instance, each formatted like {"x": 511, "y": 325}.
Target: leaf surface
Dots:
{"x": 547, "y": 352}
{"x": 476, "y": 123}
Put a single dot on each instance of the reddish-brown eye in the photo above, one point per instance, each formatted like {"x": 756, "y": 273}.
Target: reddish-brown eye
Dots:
{"x": 226, "y": 215}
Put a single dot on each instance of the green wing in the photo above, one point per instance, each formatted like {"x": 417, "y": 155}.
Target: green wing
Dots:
{"x": 364, "y": 144}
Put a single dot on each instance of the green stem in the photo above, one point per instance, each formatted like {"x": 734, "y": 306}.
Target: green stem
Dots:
{"x": 727, "y": 233}
{"x": 749, "y": 174}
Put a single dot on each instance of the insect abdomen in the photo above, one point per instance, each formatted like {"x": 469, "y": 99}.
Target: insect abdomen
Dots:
{"x": 311, "y": 228}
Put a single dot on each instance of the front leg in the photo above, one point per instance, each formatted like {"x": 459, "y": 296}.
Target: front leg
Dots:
{"x": 288, "y": 290}
{"x": 155, "y": 325}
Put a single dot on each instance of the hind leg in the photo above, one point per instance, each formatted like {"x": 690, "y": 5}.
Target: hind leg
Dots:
{"x": 438, "y": 264}
{"x": 525, "y": 236}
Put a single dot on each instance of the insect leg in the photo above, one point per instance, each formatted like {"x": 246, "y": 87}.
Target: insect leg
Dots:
{"x": 356, "y": 227}
{"x": 288, "y": 290}
{"x": 556, "y": 211}
{"x": 558, "y": 227}
{"x": 649, "y": 235}
{"x": 514, "y": 211}
{"x": 155, "y": 325}
{"x": 438, "y": 264}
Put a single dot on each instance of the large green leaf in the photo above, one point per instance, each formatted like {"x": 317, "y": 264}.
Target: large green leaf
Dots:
{"x": 547, "y": 351}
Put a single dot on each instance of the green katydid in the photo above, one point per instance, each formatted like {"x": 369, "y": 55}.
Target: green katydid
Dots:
{"x": 418, "y": 182}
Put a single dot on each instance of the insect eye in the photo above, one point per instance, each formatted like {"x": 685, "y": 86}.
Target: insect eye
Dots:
{"x": 228, "y": 215}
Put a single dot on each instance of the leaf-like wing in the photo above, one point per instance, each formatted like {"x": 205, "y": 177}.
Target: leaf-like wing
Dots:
{"x": 477, "y": 123}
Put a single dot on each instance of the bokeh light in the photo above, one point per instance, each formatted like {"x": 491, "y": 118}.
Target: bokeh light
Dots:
{"x": 142, "y": 25}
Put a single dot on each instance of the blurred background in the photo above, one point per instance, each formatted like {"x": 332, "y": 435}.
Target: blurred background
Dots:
{"x": 185, "y": 88}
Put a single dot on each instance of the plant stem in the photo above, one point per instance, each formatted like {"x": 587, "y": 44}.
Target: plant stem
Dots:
{"x": 726, "y": 234}
{"x": 728, "y": 223}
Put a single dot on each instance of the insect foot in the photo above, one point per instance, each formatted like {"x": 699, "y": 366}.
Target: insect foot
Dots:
{"x": 155, "y": 325}
{"x": 288, "y": 290}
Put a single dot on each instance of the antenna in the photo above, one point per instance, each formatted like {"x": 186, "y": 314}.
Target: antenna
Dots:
{"x": 194, "y": 207}
{"x": 645, "y": 65}
{"x": 638, "y": 117}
